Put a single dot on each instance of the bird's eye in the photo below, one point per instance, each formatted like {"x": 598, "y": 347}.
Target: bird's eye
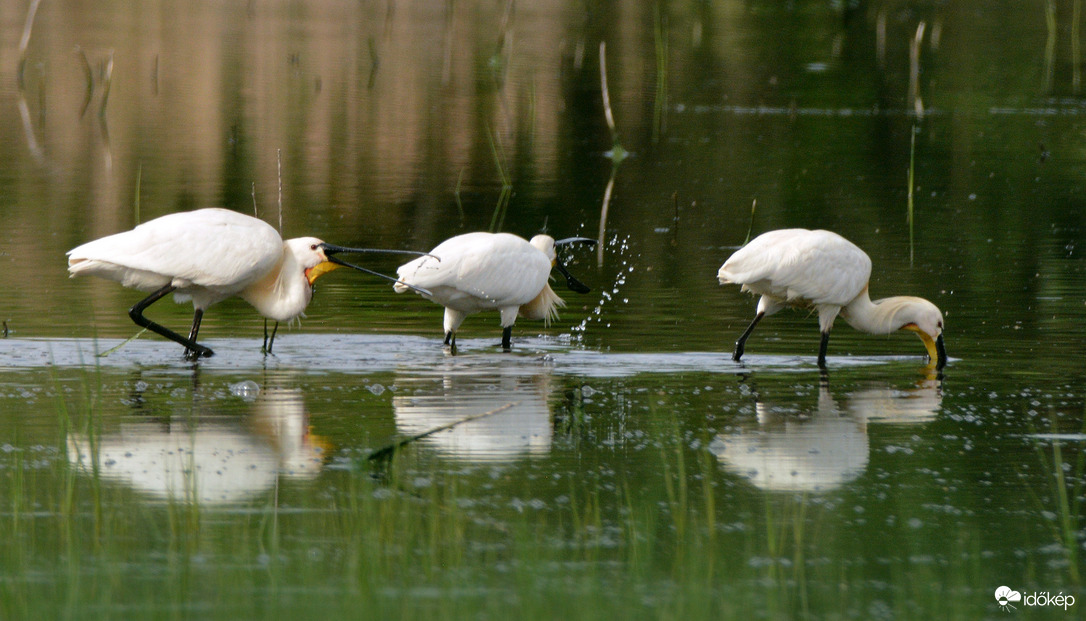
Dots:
{"x": 313, "y": 247}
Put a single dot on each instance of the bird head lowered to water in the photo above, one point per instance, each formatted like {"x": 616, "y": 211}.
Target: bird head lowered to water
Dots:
{"x": 920, "y": 316}
{"x": 823, "y": 271}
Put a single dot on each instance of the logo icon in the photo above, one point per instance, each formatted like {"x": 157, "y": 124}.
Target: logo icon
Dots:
{"x": 1004, "y": 596}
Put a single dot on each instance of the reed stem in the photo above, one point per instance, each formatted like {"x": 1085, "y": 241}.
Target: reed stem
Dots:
{"x": 912, "y": 162}
{"x": 24, "y": 41}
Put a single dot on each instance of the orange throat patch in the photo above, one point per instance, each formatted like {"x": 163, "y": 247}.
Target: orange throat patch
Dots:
{"x": 315, "y": 272}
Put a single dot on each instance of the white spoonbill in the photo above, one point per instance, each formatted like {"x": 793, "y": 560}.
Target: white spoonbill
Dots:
{"x": 207, "y": 256}
{"x": 823, "y": 271}
{"x": 491, "y": 271}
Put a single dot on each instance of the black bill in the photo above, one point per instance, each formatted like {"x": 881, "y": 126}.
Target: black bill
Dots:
{"x": 571, "y": 282}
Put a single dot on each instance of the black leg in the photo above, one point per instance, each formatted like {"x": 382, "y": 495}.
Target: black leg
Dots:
{"x": 740, "y": 345}
{"x": 197, "y": 317}
{"x": 507, "y": 338}
{"x": 267, "y": 347}
{"x": 271, "y": 341}
{"x": 450, "y": 339}
{"x": 822, "y": 350}
{"x": 136, "y": 313}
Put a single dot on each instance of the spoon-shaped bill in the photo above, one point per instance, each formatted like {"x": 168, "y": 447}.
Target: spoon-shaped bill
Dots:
{"x": 379, "y": 275}
{"x": 330, "y": 249}
{"x": 571, "y": 282}
{"x": 940, "y": 351}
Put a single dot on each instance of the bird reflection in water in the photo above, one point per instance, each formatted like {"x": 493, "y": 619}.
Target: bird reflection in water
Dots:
{"x": 523, "y": 429}
{"x": 208, "y": 459}
{"x": 824, "y": 448}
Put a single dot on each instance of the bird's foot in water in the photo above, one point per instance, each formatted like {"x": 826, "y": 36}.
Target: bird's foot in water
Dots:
{"x": 193, "y": 355}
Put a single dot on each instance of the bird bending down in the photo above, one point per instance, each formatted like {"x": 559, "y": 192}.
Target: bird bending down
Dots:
{"x": 826, "y": 272}
{"x": 491, "y": 271}
{"x": 207, "y": 256}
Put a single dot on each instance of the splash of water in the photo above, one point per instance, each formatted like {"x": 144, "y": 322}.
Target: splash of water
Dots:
{"x": 619, "y": 246}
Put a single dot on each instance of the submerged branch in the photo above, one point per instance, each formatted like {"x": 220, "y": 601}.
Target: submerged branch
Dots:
{"x": 390, "y": 449}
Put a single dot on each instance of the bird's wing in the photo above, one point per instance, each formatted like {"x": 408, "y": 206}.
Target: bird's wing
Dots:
{"x": 208, "y": 247}
{"x": 492, "y": 267}
{"x": 793, "y": 265}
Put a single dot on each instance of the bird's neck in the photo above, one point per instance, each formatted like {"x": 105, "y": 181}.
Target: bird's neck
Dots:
{"x": 876, "y": 317}
{"x": 283, "y": 293}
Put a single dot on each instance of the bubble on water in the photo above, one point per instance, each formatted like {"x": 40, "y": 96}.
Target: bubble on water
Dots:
{"x": 248, "y": 390}
{"x": 376, "y": 389}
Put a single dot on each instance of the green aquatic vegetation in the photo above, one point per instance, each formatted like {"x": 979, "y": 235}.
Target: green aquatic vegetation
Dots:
{"x": 912, "y": 184}
{"x": 1066, "y": 484}
{"x": 661, "y": 44}
{"x": 497, "y": 219}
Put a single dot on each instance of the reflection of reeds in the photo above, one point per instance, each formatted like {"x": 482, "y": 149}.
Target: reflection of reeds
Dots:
{"x": 1076, "y": 46}
{"x": 750, "y": 228}
{"x": 880, "y": 38}
{"x": 279, "y": 178}
{"x": 497, "y": 220}
{"x": 914, "y": 70}
{"x": 88, "y": 74}
{"x": 24, "y": 110}
{"x": 912, "y": 161}
{"x": 456, "y": 194}
{"x": 617, "y": 153}
{"x": 1050, "y": 42}
{"x": 604, "y": 208}
{"x": 375, "y": 61}
{"x": 24, "y": 41}
{"x": 607, "y": 115}
{"x": 659, "y": 107}
{"x": 136, "y": 198}
{"x": 107, "y": 82}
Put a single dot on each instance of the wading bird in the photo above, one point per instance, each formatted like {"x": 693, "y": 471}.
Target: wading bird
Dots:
{"x": 825, "y": 272}
{"x": 491, "y": 271}
{"x": 207, "y": 256}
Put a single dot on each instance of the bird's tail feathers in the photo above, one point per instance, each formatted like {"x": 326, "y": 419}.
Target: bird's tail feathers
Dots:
{"x": 544, "y": 306}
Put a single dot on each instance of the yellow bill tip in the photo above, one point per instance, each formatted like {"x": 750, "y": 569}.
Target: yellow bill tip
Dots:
{"x": 929, "y": 343}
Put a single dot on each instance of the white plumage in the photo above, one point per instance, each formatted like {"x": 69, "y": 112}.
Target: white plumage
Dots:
{"x": 207, "y": 256}
{"x": 826, "y": 272}
{"x": 475, "y": 272}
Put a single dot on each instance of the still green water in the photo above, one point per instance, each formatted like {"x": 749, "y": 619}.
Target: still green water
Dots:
{"x": 617, "y": 463}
